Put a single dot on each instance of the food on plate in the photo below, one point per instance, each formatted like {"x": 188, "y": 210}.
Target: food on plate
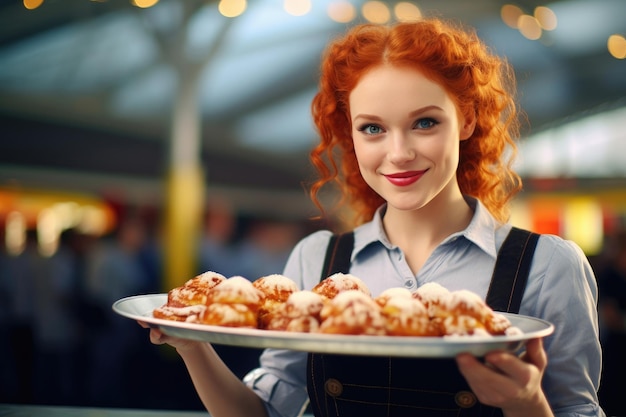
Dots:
{"x": 236, "y": 290}
{"x": 336, "y": 283}
{"x": 339, "y": 304}
{"x": 352, "y": 312}
{"x": 394, "y": 292}
{"x": 432, "y": 295}
{"x": 234, "y": 302}
{"x": 300, "y": 313}
{"x": 229, "y": 315}
{"x": 187, "y": 302}
{"x": 276, "y": 290}
{"x": 195, "y": 290}
{"x": 189, "y": 313}
{"x": 407, "y": 316}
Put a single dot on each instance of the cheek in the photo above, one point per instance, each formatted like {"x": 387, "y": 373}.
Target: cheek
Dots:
{"x": 366, "y": 157}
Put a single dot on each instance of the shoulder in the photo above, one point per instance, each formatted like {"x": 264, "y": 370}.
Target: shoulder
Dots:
{"x": 552, "y": 248}
{"x": 561, "y": 266}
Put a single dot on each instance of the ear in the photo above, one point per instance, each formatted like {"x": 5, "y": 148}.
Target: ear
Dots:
{"x": 467, "y": 129}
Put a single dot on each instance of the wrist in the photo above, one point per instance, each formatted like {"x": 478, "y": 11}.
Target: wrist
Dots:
{"x": 538, "y": 407}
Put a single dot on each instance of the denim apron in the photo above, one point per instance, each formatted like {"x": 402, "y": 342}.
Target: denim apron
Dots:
{"x": 355, "y": 386}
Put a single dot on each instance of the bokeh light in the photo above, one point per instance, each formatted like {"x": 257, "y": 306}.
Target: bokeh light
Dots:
{"x": 529, "y": 27}
{"x": 297, "y": 7}
{"x": 617, "y": 46}
{"x": 341, "y": 11}
{"x": 376, "y": 12}
{"x": 407, "y": 12}
{"x": 546, "y": 18}
{"x": 510, "y": 15}
{"x": 232, "y": 8}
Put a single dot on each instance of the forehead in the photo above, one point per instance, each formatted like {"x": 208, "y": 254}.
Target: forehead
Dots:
{"x": 402, "y": 86}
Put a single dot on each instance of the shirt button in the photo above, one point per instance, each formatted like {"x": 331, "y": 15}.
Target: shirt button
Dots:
{"x": 409, "y": 283}
{"x": 465, "y": 399}
{"x": 333, "y": 387}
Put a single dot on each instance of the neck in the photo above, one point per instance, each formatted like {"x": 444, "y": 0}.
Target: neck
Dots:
{"x": 419, "y": 232}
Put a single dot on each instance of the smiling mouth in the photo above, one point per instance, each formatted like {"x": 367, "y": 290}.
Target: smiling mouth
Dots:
{"x": 404, "y": 178}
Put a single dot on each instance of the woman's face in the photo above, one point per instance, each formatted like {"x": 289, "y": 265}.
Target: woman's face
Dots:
{"x": 406, "y": 132}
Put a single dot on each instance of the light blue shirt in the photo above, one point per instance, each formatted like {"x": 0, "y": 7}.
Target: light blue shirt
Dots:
{"x": 561, "y": 289}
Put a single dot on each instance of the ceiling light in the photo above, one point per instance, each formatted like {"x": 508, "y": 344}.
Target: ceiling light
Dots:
{"x": 617, "y": 46}
{"x": 341, "y": 11}
{"x": 510, "y": 15}
{"x": 546, "y": 18}
{"x": 376, "y": 12}
{"x": 407, "y": 12}
{"x": 297, "y": 7}
{"x": 232, "y": 8}
{"x": 529, "y": 27}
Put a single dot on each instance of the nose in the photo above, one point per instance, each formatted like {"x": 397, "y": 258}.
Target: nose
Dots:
{"x": 400, "y": 149}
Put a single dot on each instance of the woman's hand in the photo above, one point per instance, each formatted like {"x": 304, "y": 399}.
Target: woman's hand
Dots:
{"x": 157, "y": 337}
{"x": 509, "y": 382}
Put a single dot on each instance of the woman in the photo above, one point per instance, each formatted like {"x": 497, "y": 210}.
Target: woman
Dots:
{"x": 415, "y": 123}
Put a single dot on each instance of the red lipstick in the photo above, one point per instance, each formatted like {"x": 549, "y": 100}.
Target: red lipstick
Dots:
{"x": 402, "y": 179}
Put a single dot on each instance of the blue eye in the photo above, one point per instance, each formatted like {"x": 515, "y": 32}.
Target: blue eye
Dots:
{"x": 425, "y": 123}
{"x": 371, "y": 129}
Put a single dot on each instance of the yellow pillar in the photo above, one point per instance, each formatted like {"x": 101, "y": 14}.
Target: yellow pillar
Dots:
{"x": 185, "y": 182}
{"x": 185, "y": 196}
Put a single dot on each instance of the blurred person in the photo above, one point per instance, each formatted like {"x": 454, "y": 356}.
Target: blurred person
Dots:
{"x": 612, "y": 310}
{"x": 17, "y": 288}
{"x": 265, "y": 247}
{"x": 216, "y": 247}
{"x": 115, "y": 270}
{"x": 416, "y": 121}
{"x": 56, "y": 325}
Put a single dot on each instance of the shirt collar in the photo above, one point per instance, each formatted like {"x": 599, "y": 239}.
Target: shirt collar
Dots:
{"x": 481, "y": 230}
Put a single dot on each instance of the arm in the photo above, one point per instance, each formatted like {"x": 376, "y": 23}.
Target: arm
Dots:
{"x": 221, "y": 391}
{"x": 562, "y": 290}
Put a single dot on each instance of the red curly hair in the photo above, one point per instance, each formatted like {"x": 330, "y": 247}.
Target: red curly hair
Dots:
{"x": 480, "y": 83}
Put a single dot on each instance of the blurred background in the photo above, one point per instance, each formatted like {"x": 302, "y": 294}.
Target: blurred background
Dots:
{"x": 143, "y": 142}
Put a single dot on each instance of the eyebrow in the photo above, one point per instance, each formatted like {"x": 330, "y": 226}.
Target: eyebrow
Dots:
{"x": 414, "y": 113}
{"x": 424, "y": 110}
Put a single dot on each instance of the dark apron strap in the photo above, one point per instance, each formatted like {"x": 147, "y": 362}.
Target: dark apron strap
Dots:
{"x": 338, "y": 255}
{"x": 510, "y": 273}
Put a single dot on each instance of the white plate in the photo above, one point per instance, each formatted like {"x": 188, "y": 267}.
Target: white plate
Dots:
{"x": 140, "y": 308}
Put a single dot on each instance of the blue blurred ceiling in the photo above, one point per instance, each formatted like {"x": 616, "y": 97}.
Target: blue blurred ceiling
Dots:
{"x": 87, "y": 87}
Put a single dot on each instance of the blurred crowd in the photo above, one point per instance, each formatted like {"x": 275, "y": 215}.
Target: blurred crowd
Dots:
{"x": 61, "y": 343}
{"x": 610, "y": 268}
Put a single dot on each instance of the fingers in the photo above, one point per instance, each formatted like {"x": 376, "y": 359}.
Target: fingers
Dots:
{"x": 505, "y": 379}
{"x": 156, "y": 337}
{"x": 535, "y": 354}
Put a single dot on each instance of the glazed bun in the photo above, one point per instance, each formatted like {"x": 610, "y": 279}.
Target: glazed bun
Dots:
{"x": 229, "y": 315}
{"x": 394, "y": 292}
{"x": 407, "y": 316}
{"x": 352, "y": 312}
{"x": 236, "y": 290}
{"x": 300, "y": 313}
{"x": 234, "y": 302}
{"x": 187, "y": 302}
{"x": 339, "y": 282}
{"x": 276, "y": 290}
{"x": 432, "y": 295}
{"x": 195, "y": 290}
{"x": 188, "y": 314}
